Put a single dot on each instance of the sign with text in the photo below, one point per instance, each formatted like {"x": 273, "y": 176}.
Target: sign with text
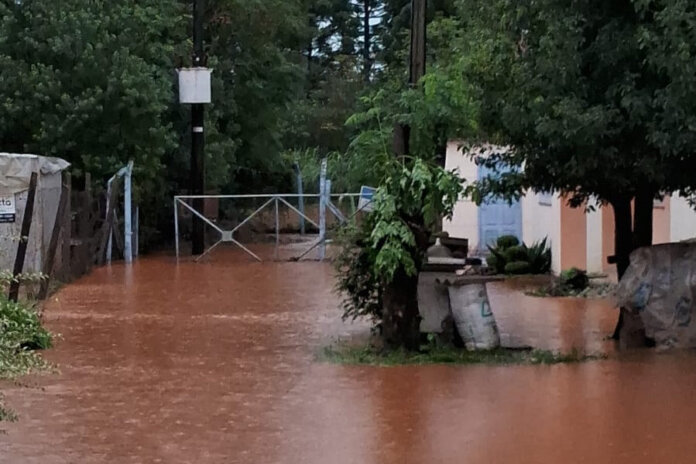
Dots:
{"x": 7, "y": 208}
{"x": 366, "y": 196}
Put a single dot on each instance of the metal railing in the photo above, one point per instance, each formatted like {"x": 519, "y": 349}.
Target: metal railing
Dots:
{"x": 227, "y": 235}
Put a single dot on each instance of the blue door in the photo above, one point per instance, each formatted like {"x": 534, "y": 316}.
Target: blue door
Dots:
{"x": 497, "y": 217}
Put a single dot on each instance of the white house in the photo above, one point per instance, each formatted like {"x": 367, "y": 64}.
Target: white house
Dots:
{"x": 577, "y": 238}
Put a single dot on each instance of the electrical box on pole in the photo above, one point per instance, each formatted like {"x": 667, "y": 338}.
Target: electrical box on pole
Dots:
{"x": 194, "y": 85}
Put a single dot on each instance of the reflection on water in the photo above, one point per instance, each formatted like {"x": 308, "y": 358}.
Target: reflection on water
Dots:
{"x": 214, "y": 363}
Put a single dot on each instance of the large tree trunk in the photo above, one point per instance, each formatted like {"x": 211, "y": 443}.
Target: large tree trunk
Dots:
{"x": 623, "y": 234}
{"x": 643, "y": 219}
{"x": 629, "y": 330}
{"x": 401, "y": 320}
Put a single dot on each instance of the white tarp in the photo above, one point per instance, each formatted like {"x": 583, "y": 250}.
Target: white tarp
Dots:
{"x": 660, "y": 287}
{"x": 16, "y": 169}
{"x": 15, "y": 175}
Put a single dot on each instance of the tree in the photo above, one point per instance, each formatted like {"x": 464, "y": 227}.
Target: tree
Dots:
{"x": 583, "y": 94}
{"x": 91, "y": 84}
{"x": 381, "y": 260}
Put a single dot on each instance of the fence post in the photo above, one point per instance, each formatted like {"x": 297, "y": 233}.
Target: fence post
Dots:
{"x": 300, "y": 197}
{"x": 24, "y": 238}
{"x": 87, "y": 235}
{"x": 176, "y": 226}
{"x": 277, "y": 229}
{"x": 136, "y": 232}
{"x": 66, "y": 232}
{"x": 322, "y": 211}
{"x": 128, "y": 216}
{"x": 110, "y": 197}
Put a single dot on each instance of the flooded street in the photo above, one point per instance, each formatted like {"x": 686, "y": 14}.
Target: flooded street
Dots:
{"x": 216, "y": 363}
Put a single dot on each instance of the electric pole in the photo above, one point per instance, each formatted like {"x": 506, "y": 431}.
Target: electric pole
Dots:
{"x": 416, "y": 66}
{"x": 197, "y": 182}
{"x": 418, "y": 30}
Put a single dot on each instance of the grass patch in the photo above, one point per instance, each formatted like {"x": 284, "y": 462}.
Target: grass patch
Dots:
{"x": 594, "y": 290}
{"x": 371, "y": 355}
{"x": 21, "y": 335}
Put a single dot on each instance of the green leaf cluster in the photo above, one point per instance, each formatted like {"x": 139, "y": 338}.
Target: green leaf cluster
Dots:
{"x": 508, "y": 256}
{"x": 413, "y": 196}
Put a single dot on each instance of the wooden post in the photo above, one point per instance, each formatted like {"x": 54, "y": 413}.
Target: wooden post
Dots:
{"x": 66, "y": 231}
{"x": 53, "y": 244}
{"x": 24, "y": 238}
{"x": 87, "y": 227}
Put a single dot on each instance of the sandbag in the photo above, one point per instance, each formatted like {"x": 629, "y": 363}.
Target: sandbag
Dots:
{"x": 473, "y": 316}
{"x": 660, "y": 286}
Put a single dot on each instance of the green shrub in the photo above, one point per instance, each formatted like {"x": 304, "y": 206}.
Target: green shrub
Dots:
{"x": 20, "y": 326}
{"x": 539, "y": 257}
{"x": 507, "y": 251}
{"x": 516, "y": 253}
{"x": 517, "y": 267}
{"x": 574, "y": 279}
{"x": 385, "y": 242}
{"x": 506, "y": 241}
{"x": 495, "y": 263}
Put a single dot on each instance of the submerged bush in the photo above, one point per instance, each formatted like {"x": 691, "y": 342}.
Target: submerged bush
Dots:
{"x": 20, "y": 326}
{"x": 21, "y": 333}
{"x": 508, "y": 256}
{"x": 574, "y": 279}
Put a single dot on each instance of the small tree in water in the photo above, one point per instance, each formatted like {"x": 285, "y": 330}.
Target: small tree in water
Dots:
{"x": 380, "y": 259}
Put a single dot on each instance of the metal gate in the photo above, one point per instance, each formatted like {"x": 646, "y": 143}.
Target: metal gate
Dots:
{"x": 269, "y": 201}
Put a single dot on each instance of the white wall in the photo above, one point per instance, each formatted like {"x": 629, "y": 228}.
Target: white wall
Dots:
{"x": 541, "y": 221}
{"x": 464, "y": 223}
{"x": 682, "y": 220}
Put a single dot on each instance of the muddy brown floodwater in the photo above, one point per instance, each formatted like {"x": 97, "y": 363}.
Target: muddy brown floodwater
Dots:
{"x": 215, "y": 363}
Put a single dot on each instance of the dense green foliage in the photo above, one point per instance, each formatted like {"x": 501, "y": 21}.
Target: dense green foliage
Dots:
{"x": 95, "y": 83}
{"x": 580, "y": 95}
{"x": 508, "y": 256}
{"x": 21, "y": 333}
{"x": 390, "y": 239}
{"x": 20, "y": 327}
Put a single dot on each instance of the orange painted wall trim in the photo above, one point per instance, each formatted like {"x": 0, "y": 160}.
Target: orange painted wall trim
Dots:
{"x": 573, "y": 237}
{"x": 661, "y": 221}
{"x": 607, "y": 236}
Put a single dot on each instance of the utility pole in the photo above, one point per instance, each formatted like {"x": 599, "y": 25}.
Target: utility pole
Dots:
{"x": 197, "y": 182}
{"x": 416, "y": 66}
{"x": 418, "y": 31}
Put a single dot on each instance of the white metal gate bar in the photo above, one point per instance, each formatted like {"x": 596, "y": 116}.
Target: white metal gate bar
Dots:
{"x": 227, "y": 235}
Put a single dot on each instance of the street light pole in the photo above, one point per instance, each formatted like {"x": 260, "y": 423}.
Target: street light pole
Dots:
{"x": 197, "y": 181}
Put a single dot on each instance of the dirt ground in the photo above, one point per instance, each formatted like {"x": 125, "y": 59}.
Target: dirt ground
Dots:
{"x": 215, "y": 363}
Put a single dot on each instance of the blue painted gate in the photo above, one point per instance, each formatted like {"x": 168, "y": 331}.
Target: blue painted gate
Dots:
{"x": 497, "y": 217}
